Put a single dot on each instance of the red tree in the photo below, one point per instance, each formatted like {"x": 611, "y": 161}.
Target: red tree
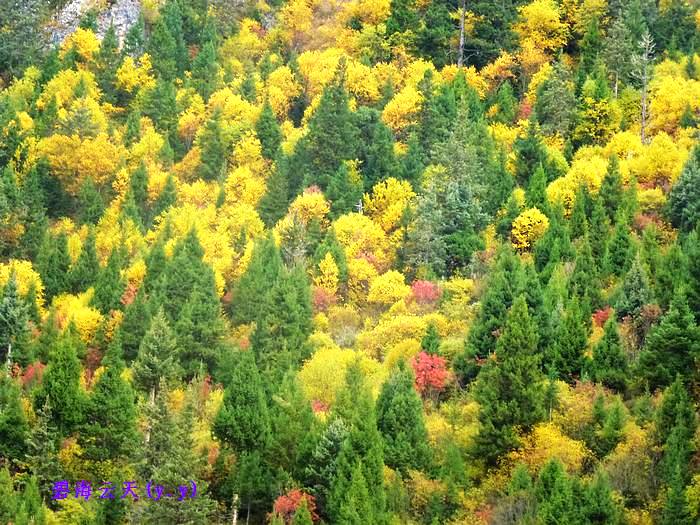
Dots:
{"x": 431, "y": 374}
{"x": 287, "y": 504}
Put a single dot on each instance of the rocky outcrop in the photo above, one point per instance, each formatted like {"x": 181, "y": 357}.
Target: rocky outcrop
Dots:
{"x": 121, "y": 13}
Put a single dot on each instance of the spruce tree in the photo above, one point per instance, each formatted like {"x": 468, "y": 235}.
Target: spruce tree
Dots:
{"x": 137, "y": 318}
{"x": 273, "y": 205}
{"x": 611, "y": 190}
{"x": 609, "y": 365}
{"x": 675, "y": 407}
{"x": 692, "y": 250}
{"x": 684, "y": 200}
{"x": 671, "y": 346}
{"x": 569, "y": 342}
{"x": 599, "y": 504}
{"x": 356, "y": 504}
{"x": 166, "y": 198}
{"x": 400, "y": 421}
{"x": 321, "y": 470}
{"x": 675, "y": 511}
{"x": 529, "y": 154}
{"x": 430, "y": 343}
{"x": 509, "y": 390}
{"x": 53, "y": 263}
{"x": 344, "y": 191}
{"x": 619, "y": 249}
{"x": 555, "y": 495}
{"x": 14, "y": 330}
{"x": 213, "y": 149}
{"x": 536, "y": 195}
{"x": 636, "y": 291}
{"x": 375, "y": 153}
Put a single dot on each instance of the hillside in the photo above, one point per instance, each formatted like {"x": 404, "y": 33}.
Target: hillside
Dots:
{"x": 349, "y": 262}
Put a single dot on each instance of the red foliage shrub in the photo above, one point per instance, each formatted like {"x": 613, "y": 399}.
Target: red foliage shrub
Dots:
{"x": 319, "y": 406}
{"x": 425, "y": 292}
{"x": 33, "y": 373}
{"x": 600, "y": 317}
{"x": 321, "y": 299}
{"x": 431, "y": 373}
{"x": 287, "y": 504}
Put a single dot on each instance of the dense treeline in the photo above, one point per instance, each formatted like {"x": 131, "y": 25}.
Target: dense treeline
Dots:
{"x": 368, "y": 262}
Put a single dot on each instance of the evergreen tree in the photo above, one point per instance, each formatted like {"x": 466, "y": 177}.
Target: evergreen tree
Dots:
{"x": 599, "y": 229}
{"x": 332, "y": 135}
{"x": 670, "y": 346}
{"x": 157, "y": 357}
{"x": 599, "y": 505}
{"x": 137, "y": 318}
{"x": 14, "y": 430}
{"x": 14, "y": 330}
{"x": 213, "y": 164}
{"x": 591, "y": 46}
{"x": 273, "y": 205}
{"x": 506, "y": 104}
{"x": 556, "y": 102}
{"x": 60, "y": 385}
{"x": 265, "y": 267}
{"x": 555, "y": 495}
{"x": 344, "y": 190}
{"x": 243, "y": 421}
{"x": 619, "y": 249}
{"x": 509, "y": 392}
{"x": 569, "y": 342}
{"x": 205, "y": 68}
{"x": 53, "y": 263}
{"x": 609, "y": 365}
{"x": 268, "y": 131}
{"x": 430, "y": 343}
{"x": 529, "y": 154}
{"x": 302, "y": 516}
{"x": 356, "y": 505}
{"x": 684, "y": 200}
{"x": 675, "y": 511}
{"x": 536, "y": 194}
{"x": 109, "y": 286}
{"x": 675, "y": 408}
{"x": 108, "y": 61}
{"x": 692, "y": 250}
{"x": 400, "y": 421}
{"x": 34, "y": 201}
{"x": 578, "y": 222}
{"x": 322, "y": 468}
{"x": 109, "y": 432}
{"x": 362, "y": 447}
{"x": 83, "y": 273}
{"x": 375, "y": 148}
{"x": 636, "y": 291}
{"x": 611, "y": 190}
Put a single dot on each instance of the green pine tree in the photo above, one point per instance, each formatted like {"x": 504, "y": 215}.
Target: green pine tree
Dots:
{"x": 109, "y": 285}
{"x": 86, "y": 269}
{"x": 609, "y": 365}
{"x": 268, "y": 131}
{"x": 14, "y": 429}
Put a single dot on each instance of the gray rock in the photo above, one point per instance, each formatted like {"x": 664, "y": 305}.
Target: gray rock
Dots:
{"x": 122, "y": 13}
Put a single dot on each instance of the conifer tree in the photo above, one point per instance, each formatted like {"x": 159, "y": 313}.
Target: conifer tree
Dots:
{"x": 137, "y": 318}
{"x": 556, "y": 102}
{"x": 157, "y": 357}
{"x": 619, "y": 249}
{"x": 356, "y": 505}
{"x": 243, "y": 421}
{"x": 213, "y": 149}
{"x": 273, "y": 205}
{"x": 14, "y": 429}
{"x": 692, "y": 283}
{"x": 60, "y": 385}
{"x": 529, "y": 154}
{"x": 321, "y": 469}
{"x": 109, "y": 286}
{"x": 264, "y": 268}
{"x": 609, "y": 365}
{"x": 14, "y": 331}
{"x": 362, "y": 447}
{"x": 430, "y": 343}
{"x": 671, "y": 346}
{"x": 53, "y": 263}
{"x": 536, "y": 195}
{"x": 684, "y": 200}
{"x": 675, "y": 511}
{"x": 555, "y": 495}
{"x": 636, "y": 291}
{"x": 400, "y": 421}
{"x": 84, "y": 272}
{"x": 675, "y": 407}
{"x": 611, "y": 190}
{"x": 166, "y": 199}
{"x": 375, "y": 148}
{"x": 268, "y": 131}
{"x": 599, "y": 504}
{"x": 570, "y": 341}
{"x": 509, "y": 392}
{"x": 109, "y": 432}
{"x": 578, "y": 222}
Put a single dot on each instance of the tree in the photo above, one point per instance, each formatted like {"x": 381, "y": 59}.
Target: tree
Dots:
{"x": 14, "y": 430}
{"x": 430, "y": 343}
{"x": 14, "y": 331}
{"x": 243, "y": 421}
{"x": 611, "y": 190}
{"x": 157, "y": 357}
{"x": 23, "y": 35}
{"x": 675, "y": 511}
{"x": 110, "y": 432}
{"x": 53, "y": 263}
{"x": 135, "y": 323}
{"x": 60, "y": 386}
{"x": 609, "y": 365}
{"x": 361, "y": 449}
{"x": 356, "y": 507}
{"x": 617, "y": 52}
{"x": 619, "y": 249}
{"x": 84, "y": 272}
{"x": 213, "y": 155}
{"x": 684, "y": 201}
{"x": 109, "y": 286}
{"x": 332, "y": 135}
{"x": 166, "y": 199}
{"x": 555, "y": 495}
{"x": 509, "y": 389}
{"x": 675, "y": 408}
{"x": 322, "y": 467}
{"x": 264, "y": 268}
{"x": 344, "y": 190}
{"x": 400, "y": 421}
{"x": 529, "y": 154}
{"x": 556, "y": 102}
{"x": 671, "y": 346}
{"x": 375, "y": 151}
{"x": 570, "y": 341}
{"x": 268, "y": 131}
{"x": 636, "y": 291}
{"x": 692, "y": 250}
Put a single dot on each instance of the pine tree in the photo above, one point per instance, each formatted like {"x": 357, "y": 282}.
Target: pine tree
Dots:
{"x": 42, "y": 450}
{"x": 529, "y": 154}
{"x": 556, "y": 102}
{"x": 205, "y": 67}
{"x": 599, "y": 230}
{"x": 344, "y": 191}
{"x": 8, "y": 498}
{"x": 619, "y": 249}
{"x": 509, "y": 391}
{"x": 578, "y": 222}
{"x": 323, "y": 465}
{"x": 134, "y": 39}
{"x": 400, "y": 421}
{"x": 671, "y": 346}
{"x": 60, "y": 385}
{"x": 430, "y": 343}
{"x": 609, "y": 365}
{"x": 302, "y": 516}
{"x": 684, "y": 200}
{"x": 555, "y": 495}
{"x": 109, "y": 286}
{"x": 14, "y": 429}
{"x": 675, "y": 408}
{"x": 34, "y": 201}
{"x": 83, "y": 273}
{"x": 356, "y": 505}
{"x": 536, "y": 194}
{"x": 569, "y": 342}
{"x": 268, "y": 131}
{"x": 636, "y": 291}
{"x": 157, "y": 358}
{"x": 166, "y": 199}
{"x": 243, "y": 421}
{"x": 137, "y": 318}
{"x": 692, "y": 250}
{"x": 675, "y": 511}
{"x": 108, "y": 61}
{"x": 375, "y": 148}
{"x": 273, "y": 205}
{"x": 599, "y": 506}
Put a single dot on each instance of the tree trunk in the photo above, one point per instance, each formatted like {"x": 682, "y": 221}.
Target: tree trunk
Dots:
{"x": 234, "y": 519}
{"x": 8, "y": 362}
{"x": 463, "y": 14}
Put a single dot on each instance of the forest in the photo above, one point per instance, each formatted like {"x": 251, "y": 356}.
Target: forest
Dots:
{"x": 356, "y": 262}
